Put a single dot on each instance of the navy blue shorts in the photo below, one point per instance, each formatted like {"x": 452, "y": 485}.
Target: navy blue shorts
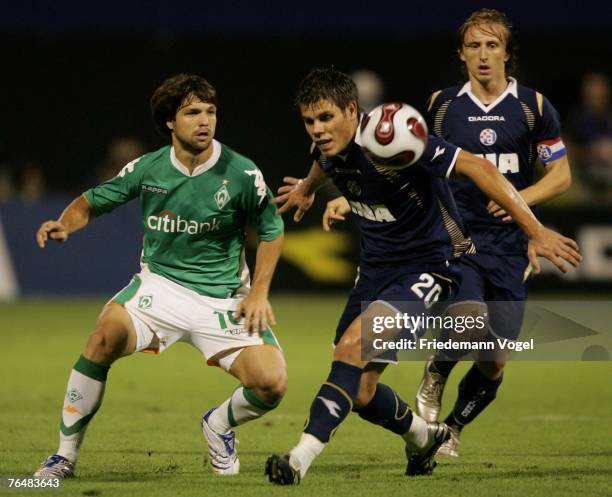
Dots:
{"x": 397, "y": 285}
{"x": 496, "y": 278}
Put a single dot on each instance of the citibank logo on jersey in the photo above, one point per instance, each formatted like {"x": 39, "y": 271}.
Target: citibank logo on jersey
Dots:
{"x": 169, "y": 222}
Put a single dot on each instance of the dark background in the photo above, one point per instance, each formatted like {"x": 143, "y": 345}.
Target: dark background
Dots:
{"x": 77, "y": 75}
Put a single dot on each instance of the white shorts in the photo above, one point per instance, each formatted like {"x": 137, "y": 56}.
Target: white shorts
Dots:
{"x": 159, "y": 307}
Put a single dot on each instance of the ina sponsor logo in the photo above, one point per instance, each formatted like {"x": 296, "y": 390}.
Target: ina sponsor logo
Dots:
{"x": 169, "y": 222}
{"x": 145, "y": 301}
{"x": 378, "y": 212}
{"x": 488, "y": 136}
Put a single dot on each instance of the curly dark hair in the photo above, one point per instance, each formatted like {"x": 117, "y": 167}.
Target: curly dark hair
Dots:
{"x": 326, "y": 83}
{"x": 491, "y": 16}
{"x": 175, "y": 92}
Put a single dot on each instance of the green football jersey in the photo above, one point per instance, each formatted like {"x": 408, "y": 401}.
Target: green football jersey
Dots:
{"x": 194, "y": 225}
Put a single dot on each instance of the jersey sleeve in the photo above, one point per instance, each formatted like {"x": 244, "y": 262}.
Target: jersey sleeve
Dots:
{"x": 547, "y": 133}
{"x": 258, "y": 206}
{"x": 439, "y": 157}
{"x": 433, "y": 104}
{"x": 116, "y": 191}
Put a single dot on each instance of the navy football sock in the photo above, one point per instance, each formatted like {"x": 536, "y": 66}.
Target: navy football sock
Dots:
{"x": 387, "y": 410}
{"x": 334, "y": 400}
{"x": 476, "y": 392}
{"x": 443, "y": 368}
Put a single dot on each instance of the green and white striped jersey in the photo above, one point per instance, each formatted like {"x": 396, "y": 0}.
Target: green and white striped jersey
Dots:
{"x": 194, "y": 225}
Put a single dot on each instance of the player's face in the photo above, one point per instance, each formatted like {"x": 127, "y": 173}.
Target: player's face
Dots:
{"x": 329, "y": 127}
{"x": 484, "y": 52}
{"x": 194, "y": 125}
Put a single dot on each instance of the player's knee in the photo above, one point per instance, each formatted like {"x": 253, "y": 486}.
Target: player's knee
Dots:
{"x": 492, "y": 369}
{"x": 471, "y": 321}
{"x": 348, "y": 349}
{"x": 106, "y": 344}
{"x": 271, "y": 386}
{"x": 100, "y": 348}
{"x": 364, "y": 396}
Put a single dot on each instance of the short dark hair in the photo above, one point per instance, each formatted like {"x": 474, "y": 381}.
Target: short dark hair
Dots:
{"x": 326, "y": 83}
{"x": 491, "y": 16}
{"x": 176, "y": 91}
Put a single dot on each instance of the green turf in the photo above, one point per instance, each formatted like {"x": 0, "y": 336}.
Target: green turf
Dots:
{"x": 549, "y": 433}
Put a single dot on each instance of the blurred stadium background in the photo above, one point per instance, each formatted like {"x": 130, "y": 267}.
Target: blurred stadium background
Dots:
{"x": 75, "y": 91}
{"x": 79, "y": 77}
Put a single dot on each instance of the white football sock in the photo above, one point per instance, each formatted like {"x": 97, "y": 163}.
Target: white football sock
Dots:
{"x": 83, "y": 398}
{"x": 416, "y": 437}
{"x": 305, "y": 452}
{"x": 241, "y": 407}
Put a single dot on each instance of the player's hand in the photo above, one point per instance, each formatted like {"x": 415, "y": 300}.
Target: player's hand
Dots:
{"x": 256, "y": 311}
{"x": 335, "y": 211}
{"x": 555, "y": 247}
{"x": 496, "y": 211}
{"x": 53, "y": 230}
{"x": 291, "y": 195}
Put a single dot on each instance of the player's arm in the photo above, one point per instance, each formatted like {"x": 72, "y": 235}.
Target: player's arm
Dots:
{"x": 300, "y": 193}
{"x": 75, "y": 217}
{"x": 557, "y": 179}
{"x": 259, "y": 208}
{"x": 335, "y": 211}
{"x": 542, "y": 241}
{"x": 256, "y": 307}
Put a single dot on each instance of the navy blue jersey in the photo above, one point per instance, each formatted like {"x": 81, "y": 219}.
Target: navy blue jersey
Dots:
{"x": 511, "y": 132}
{"x": 405, "y": 216}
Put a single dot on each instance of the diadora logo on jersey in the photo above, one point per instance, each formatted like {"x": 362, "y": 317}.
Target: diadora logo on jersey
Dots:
{"x": 332, "y": 406}
{"x": 488, "y": 136}
{"x": 169, "y": 222}
{"x": 439, "y": 151}
{"x": 260, "y": 184}
{"x": 377, "y": 212}
{"x": 474, "y": 119}
{"x": 154, "y": 189}
{"x": 222, "y": 196}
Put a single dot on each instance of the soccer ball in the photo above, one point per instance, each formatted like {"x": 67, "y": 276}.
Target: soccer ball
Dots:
{"x": 393, "y": 135}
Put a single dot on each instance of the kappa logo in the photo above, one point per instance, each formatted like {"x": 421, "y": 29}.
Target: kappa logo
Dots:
{"x": 145, "y": 301}
{"x": 222, "y": 196}
{"x": 154, "y": 189}
{"x": 74, "y": 395}
{"x": 439, "y": 151}
{"x": 332, "y": 406}
{"x": 129, "y": 167}
{"x": 260, "y": 184}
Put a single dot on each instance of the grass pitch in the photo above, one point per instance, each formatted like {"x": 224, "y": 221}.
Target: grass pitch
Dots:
{"x": 548, "y": 433}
